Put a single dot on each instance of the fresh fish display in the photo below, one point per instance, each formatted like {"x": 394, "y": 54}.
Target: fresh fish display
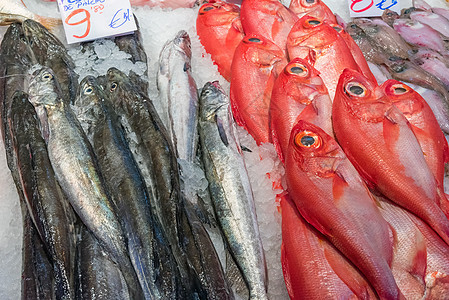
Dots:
{"x": 230, "y": 188}
{"x": 76, "y": 170}
{"x": 161, "y": 3}
{"x": 220, "y": 31}
{"x": 49, "y": 209}
{"x": 267, "y": 18}
{"x": 306, "y": 254}
{"x": 147, "y": 246}
{"x": 178, "y": 106}
{"x": 298, "y": 93}
{"x": 16, "y": 11}
{"x": 256, "y": 64}
{"x": 325, "y": 46}
{"x": 332, "y": 197}
{"x": 383, "y": 134}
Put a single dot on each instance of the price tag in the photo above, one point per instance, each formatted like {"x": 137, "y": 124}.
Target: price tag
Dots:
{"x": 86, "y": 20}
{"x": 372, "y": 8}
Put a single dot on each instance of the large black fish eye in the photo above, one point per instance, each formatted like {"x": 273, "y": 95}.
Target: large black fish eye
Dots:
{"x": 357, "y": 90}
{"x": 310, "y": 1}
{"x": 254, "y": 40}
{"x": 307, "y": 140}
{"x": 47, "y": 76}
{"x": 88, "y": 90}
{"x": 314, "y": 22}
{"x": 208, "y": 8}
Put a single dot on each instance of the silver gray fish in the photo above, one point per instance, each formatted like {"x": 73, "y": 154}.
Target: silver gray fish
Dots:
{"x": 230, "y": 187}
{"x": 178, "y": 103}
{"x": 49, "y": 208}
{"x": 77, "y": 171}
{"x": 148, "y": 248}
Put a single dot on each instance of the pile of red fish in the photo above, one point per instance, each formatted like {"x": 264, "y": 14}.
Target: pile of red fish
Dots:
{"x": 366, "y": 215}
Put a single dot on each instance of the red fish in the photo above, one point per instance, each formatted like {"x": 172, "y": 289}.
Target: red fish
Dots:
{"x": 313, "y": 8}
{"x": 256, "y": 64}
{"x": 306, "y": 256}
{"x": 161, "y": 3}
{"x": 355, "y": 51}
{"x": 220, "y": 31}
{"x": 298, "y": 93}
{"x": 268, "y": 18}
{"x": 380, "y": 143}
{"x": 331, "y": 55}
{"x": 332, "y": 197}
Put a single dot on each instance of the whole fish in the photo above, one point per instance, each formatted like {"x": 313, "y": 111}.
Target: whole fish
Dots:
{"x": 256, "y": 64}
{"x": 382, "y": 133}
{"x": 50, "y": 52}
{"x": 306, "y": 255}
{"x": 220, "y": 31}
{"x": 49, "y": 208}
{"x": 178, "y": 106}
{"x": 153, "y": 151}
{"x": 332, "y": 197}
{"x": 331, "y": 55}
{"x": 355, "y": 51}
{"x": 230, "y": 188}
{"x": 406, "y": 71}
{"x": 148, "y": 248}
{"x": 433, "y": 20}
{"x": 418, "y": 34}
{"x": 312, "y": 8}
{"x": 16, "y": 11}
{"x": 298, "y": 88}
{"x": 98, "y": 276}
{"x": 267, "y": 18}
{"x": 384, "y": 37}
{"x": 133, "y": 45}
{"x": 76, "y": 170}
{"x": 423, "y": 123}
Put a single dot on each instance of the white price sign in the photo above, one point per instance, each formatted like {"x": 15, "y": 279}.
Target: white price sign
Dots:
{"x": 86, "y": 20}
{"x": 372, "y": 8}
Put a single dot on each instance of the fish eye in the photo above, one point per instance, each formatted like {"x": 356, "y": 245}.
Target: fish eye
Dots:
{"x": 314, "y": 22}
{"x": 307, "y": 139}
{"x": 298, "y": 69}
{"x": 309, "y": 2}
{"x": 88, "y": 90}
{"x": 206, "y": 8}
{"x": 337, "y": 28}
{"x": 355, "y": 89}
{"x": 399, "y": 89}
{"x": 114, "y": 86}
{"x": 254, "y": 40}
{"x": 47, "y": 76}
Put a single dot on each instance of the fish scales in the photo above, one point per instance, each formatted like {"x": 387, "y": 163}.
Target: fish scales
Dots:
{"x": 230, "y": 188}
{"x": 77, "y": 171}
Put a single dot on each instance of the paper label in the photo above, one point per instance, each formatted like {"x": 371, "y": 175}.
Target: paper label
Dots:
{"x": 372, "y": 8}
{"x": 86, "y": 20}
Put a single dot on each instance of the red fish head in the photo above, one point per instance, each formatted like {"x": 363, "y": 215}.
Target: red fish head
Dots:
{"x": 311, "y": 31}
{"x": 363, "y": 98}
{"x": 217, "y": 13}
{"x": 262, "y": 53}
{"x": 314, "y": 150}
{"x": 315, "y": 8}
{"x": 403, "y": 96}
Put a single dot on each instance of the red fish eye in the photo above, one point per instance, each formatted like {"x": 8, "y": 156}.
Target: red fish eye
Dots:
{"x": 399, "y": 89}
{"x": 254, "y": 40}
{"x": 307, "y": 139}
{"x": 206, "y": 8}
{"x": 337, "y": 28}
{"x": 309, "y": 2}
{"x": 298, "y": 69}
{"x": 355, "y": 89}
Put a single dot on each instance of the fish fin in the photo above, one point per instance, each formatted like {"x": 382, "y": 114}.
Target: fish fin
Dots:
{"x": 339, "y": 184}
{"x": 235, "y": 111}
{"x": 347, "y": 273}
{"x": 276, "y": 143}
{"x": 221, "y": 130}
{"x": 49, "y": 23}
{"x": 443, "y": 201}
{"x": 419, "y": 260}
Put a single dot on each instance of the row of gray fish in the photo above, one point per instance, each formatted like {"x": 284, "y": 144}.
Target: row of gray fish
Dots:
{"x": 412, "y": 47}
{"x": 105, "y": 210}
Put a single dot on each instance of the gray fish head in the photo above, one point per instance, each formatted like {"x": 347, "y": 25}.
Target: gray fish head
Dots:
{"x": 118, "y": 86}
{"x": 15, "y": 47}
{"x": 182, "y": 41}
{"x": 212, "y": 99}
{"x": 405, "y": 12}
{"x": 367, "y": 25}
{"x": 89, "y": 92}
{"x": 355, "y": 31}
{"x": 43, "y": 87}
{"x": 389, "y": 16}
{"x": 40, "y": 39}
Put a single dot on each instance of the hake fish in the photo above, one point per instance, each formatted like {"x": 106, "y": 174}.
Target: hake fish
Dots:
{"x": 230, "y": 188}
{"x": 77, "y": 171}
{"x": 148, "y": 248}
{"x": 49, "y": 208}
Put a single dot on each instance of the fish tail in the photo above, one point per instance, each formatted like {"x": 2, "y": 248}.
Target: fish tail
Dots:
{"x": 48, "y": 22}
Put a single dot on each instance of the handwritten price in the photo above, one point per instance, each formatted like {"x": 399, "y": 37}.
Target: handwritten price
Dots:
{"x": 371, "y": 7}
{"x": 86, "y": 19}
